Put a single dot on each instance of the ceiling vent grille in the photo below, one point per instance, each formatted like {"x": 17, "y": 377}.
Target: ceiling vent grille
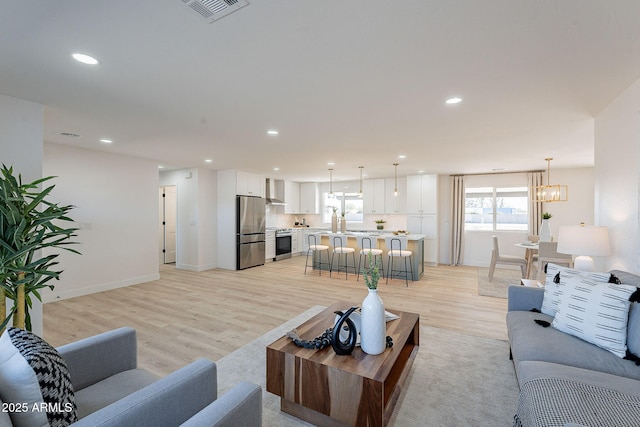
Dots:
{"x": 212, "y": 10}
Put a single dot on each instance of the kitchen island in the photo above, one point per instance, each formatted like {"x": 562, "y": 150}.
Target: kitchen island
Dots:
{"x": 415, "y": 244}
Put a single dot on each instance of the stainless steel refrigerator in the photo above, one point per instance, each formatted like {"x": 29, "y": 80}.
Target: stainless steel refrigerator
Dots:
{"x": 250, "y": 231}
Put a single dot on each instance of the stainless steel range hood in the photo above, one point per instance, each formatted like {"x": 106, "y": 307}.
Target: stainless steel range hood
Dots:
{"x": 275, "y": 192}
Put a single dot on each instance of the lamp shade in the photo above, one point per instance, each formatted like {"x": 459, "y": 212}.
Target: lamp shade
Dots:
{"x": 584, "y": 240}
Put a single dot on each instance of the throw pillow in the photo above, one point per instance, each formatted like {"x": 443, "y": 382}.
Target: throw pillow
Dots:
{"x": 596, "y": 312}
{"x": 35, "y": 381}
{"x": 633, "y": 329}
{"x": 555, "y": 282}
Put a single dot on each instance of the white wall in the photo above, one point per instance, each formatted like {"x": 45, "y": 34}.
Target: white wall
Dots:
{"x": 116, "y": 199}
{"x": 617, "y": 172}
{"x": 21, "y": 132}
{"x": 196, "y": 217}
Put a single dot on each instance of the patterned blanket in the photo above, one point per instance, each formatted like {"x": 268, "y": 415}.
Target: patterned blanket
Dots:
{"x": 551, "y": 402}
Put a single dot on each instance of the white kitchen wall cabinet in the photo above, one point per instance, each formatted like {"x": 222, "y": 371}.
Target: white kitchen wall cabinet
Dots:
{"x": 395, "y": 204}
{"x": 291, "y": 197}
{"x": 422, "y": 194}
{"x": 373, "y": 196}
{"x": 309, "y": 203}
{"x": 250, "y": 184}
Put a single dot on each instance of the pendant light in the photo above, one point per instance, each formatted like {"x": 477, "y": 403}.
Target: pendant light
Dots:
{"x": 360, "y": 192}
{"x": 550, "y": 192}
{"x": 395, "y": 174}
{"x": 331, "y": 195}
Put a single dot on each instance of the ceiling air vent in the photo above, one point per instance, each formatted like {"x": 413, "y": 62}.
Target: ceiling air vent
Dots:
{"x": 212, "y": 10}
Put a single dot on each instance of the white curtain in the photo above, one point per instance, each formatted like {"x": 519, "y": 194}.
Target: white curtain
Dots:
{"x": 535, "y": 208}
{"x": 457, "y": 219}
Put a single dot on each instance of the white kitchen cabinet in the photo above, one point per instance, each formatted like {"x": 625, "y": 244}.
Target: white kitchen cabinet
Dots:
{"x": 373, "y": 196}
{"x": 303, "y": 241}
{"x": 395, "y": 204}
{"x": 270, "y": 245}
{"x": 309, "y": 198}
{"x": 250, "y": 184}
{"x": 294, "y": 242}
{"x": 291, "y": 197}
{"x": 422, "y": 194}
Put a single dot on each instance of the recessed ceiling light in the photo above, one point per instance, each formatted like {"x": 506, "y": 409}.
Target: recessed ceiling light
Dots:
{"x": 402, "y": 156}
{"x": 85, "y": 59}
{"x": 106, "y": 141}
{"x": 160, "y": 167}
{"x": 273, "y": 132}
{"x": 331, "y": 163}
{"x": 208, "y": 160}
{"x": 454, "y": 100}
{"x": 276, "y": 169}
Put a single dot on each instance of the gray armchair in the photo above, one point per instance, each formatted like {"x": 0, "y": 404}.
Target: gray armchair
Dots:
{"x": 111, "y": 390}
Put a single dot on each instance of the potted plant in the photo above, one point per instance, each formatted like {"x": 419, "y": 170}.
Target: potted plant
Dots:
{"x": 545, "y": 228}
{"x": 28, "y": 224}
{"x": 380, "y": 224}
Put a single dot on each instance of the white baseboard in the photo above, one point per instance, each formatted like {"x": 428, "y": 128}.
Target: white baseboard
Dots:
{"x": 196, "y": 268}
{"x": 58, "y": 294}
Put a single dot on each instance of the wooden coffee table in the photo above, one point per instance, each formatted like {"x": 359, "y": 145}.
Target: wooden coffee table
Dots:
{"x": 325, "y": 389}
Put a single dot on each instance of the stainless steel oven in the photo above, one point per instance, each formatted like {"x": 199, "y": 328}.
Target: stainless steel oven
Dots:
{"x": 283, "y": 243}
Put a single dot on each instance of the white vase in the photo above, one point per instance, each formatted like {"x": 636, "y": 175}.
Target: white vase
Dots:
{"x": 343, "y": 225}
{"x": 334, "y": 223}
{"x": 545, "y": 231}
{"x": 373, "y": 332}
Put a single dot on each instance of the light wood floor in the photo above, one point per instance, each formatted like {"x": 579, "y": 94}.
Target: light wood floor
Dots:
{"x": 187, "y": 315}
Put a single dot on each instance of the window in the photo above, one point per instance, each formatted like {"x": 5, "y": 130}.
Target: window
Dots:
{"x": 349, "y": 203}
{"x": 496, "y": 208}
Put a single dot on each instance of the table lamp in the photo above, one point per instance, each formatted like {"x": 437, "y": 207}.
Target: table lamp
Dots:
{"x": 585, "y": 242}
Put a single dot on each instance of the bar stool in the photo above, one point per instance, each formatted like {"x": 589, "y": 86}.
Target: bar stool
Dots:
{"x": 397, "y": 246}
{"x": 339, "y": 242}
{"x": 367, "y": 246}
{"x": 314, "y": 246}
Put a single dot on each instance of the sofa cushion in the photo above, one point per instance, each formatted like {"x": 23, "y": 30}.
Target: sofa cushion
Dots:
{"x": 595, "y": 312}
{"x": 530, "y": 341}
{"x": 112, "y": 389}
{"x": 554, "y": 289}
{"x": 34, "y": 375}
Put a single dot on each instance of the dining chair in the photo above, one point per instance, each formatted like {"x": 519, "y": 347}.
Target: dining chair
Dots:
{"x": 496, "y": 258}
{"x": 547, "y": 252}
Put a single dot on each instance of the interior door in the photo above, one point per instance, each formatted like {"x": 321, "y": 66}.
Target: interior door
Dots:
{"x": 168, "y": 224}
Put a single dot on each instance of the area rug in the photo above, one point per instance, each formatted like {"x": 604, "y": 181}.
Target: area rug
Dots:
{"x": 456, "y": 380}
{"x": 502, "y": 278}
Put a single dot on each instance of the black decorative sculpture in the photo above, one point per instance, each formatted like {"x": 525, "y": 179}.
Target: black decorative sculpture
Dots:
{"x": 339, "y": 346}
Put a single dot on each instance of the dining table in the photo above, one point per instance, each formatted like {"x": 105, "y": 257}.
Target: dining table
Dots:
{"x": 531, "y": 248}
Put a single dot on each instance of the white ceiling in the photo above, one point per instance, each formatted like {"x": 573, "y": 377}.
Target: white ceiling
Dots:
{"x": 357, "y": 82}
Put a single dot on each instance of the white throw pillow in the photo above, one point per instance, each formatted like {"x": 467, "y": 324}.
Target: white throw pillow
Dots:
{"x": 554, "y": 292}
{"x": 34, "y": 381}
{"x": 596, "y": 312}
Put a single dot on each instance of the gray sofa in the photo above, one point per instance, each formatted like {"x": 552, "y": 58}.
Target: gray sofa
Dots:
{"x": 110, "y": 390}
{"x": 565, "y": 381}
